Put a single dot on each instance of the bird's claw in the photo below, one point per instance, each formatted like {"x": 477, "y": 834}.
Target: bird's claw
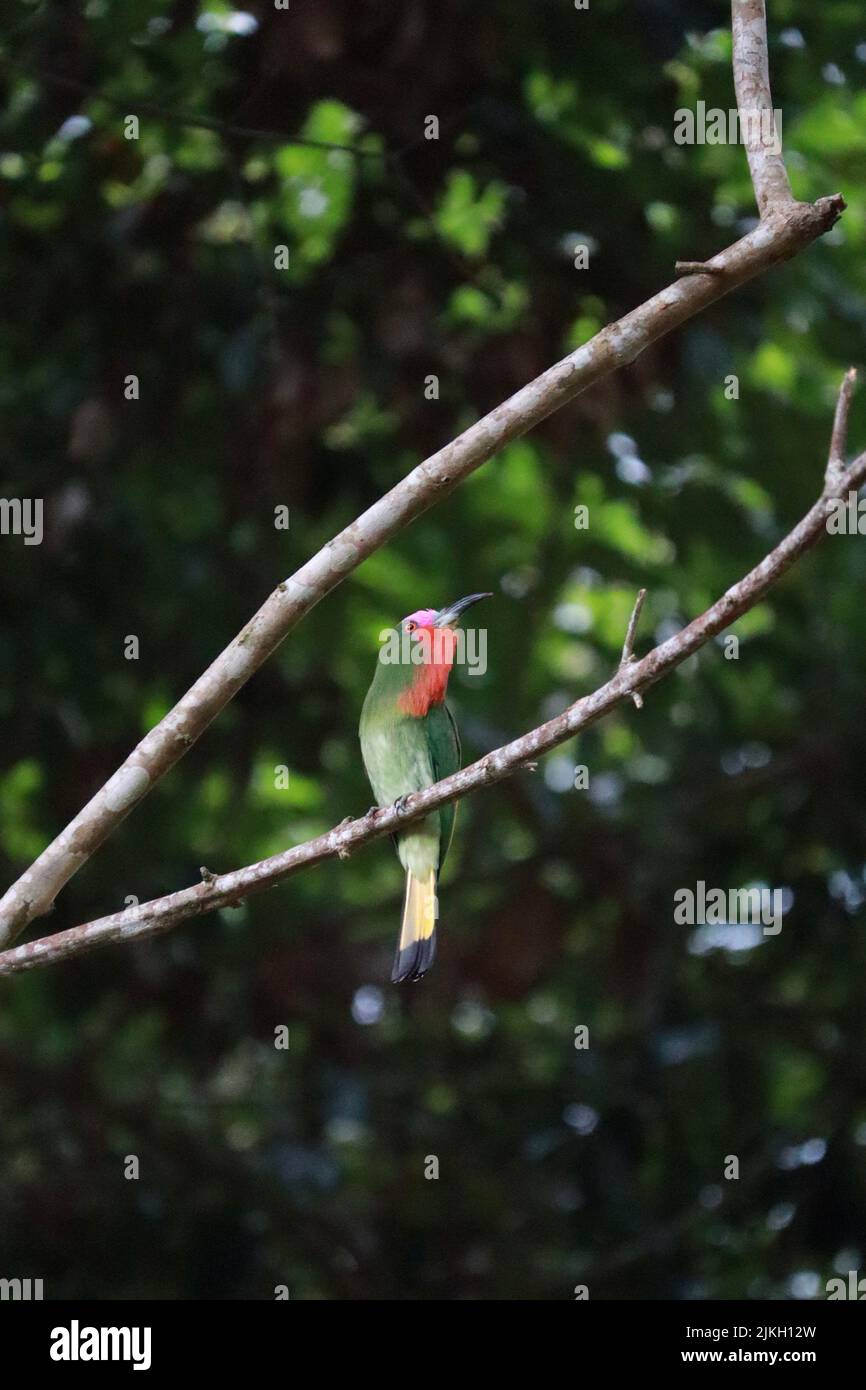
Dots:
{"x": 402, "y": 802}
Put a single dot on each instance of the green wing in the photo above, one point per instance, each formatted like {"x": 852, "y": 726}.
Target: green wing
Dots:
{"x": 444, "y": 744}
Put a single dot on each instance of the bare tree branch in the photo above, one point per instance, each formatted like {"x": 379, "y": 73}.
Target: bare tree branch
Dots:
{"x": 786, "y": 228}
{"x": 757, "y": 124}
{"x": 225, "y": 890}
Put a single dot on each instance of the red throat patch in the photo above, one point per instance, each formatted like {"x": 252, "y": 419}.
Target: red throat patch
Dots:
{"x": 430, "y": 678}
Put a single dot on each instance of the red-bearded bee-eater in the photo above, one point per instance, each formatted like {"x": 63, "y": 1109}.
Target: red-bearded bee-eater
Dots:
{"x": 409, "y": 741}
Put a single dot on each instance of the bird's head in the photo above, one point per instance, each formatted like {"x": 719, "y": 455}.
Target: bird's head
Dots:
{"x": 431, "y": 633}
{"x": 428, "y": 620}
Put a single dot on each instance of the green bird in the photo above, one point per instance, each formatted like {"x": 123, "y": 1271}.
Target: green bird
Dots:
{"x": 409, "y": 741}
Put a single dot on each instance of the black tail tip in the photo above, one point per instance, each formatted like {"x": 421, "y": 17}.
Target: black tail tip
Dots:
{"x": 413, "y": 961}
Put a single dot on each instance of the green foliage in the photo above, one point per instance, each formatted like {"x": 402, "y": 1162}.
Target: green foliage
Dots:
{"x": 467, "y": 215}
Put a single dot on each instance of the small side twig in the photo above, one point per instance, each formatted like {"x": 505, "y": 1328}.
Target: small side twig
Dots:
{"x": 628, "y": 656}
{"x": 839, "y": 437}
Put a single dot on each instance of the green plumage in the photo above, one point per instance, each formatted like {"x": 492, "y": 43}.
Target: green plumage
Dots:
{"x": 409, "y": 741}
{"x": 404, "y": 753}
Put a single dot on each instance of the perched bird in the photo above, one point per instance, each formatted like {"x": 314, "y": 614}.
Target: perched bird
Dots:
{"x": 409, "y": 741}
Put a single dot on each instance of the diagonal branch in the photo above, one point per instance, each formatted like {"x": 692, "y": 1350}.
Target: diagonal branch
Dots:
{"x": 633, "y": 676}
{"x": 786, "y": 228}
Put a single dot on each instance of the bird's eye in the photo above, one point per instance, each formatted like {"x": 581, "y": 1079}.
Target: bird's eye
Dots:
{"x": 410, "y": 627}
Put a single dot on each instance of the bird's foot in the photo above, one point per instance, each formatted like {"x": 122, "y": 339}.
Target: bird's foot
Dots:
{"x": 402, "y": 802}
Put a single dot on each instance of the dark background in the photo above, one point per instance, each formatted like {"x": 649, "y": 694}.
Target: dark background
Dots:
{"x": 305, "y": 388}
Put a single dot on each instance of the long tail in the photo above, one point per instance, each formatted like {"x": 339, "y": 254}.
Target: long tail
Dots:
{"x": 417, "y": 948}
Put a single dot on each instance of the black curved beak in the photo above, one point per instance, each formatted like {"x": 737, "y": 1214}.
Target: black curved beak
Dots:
{"x": 450, "y": 617}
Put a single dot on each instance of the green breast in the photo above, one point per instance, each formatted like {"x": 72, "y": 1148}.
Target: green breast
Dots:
{"x": 404, "y": 754}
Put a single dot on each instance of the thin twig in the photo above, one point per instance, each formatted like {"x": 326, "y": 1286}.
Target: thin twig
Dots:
{"x": 839, "y": 438}
{"x": 136, "y": 106}
{"x": 628, "y": 657}
{"x": 628, "y": 644}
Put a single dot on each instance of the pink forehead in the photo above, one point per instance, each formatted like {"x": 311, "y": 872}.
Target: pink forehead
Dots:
{"x": 424, "y": 617}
